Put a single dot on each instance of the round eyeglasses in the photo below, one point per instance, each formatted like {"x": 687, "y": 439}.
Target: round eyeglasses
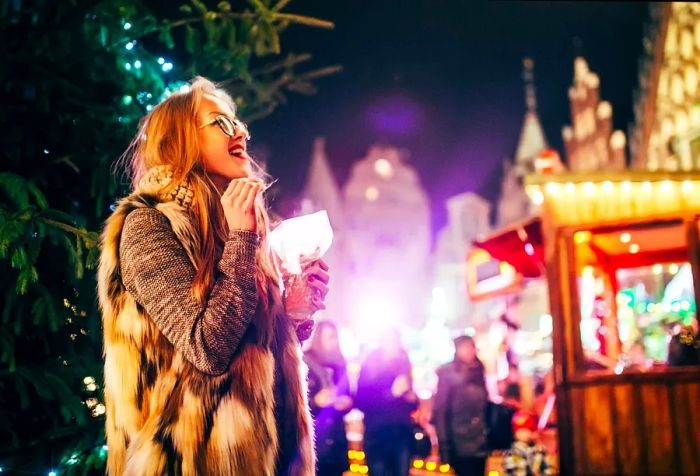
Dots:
{"x": 228, "y": 126}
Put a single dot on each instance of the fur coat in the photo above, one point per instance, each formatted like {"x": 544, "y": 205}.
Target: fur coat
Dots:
{"x": 166, "y": 417}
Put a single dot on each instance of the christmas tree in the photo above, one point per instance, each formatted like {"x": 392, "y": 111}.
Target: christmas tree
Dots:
{"x": 77, "y": 76}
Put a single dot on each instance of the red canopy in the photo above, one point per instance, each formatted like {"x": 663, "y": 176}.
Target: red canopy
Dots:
{"x": 519, "y": 245}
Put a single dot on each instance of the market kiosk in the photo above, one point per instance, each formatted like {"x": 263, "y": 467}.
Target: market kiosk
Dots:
{"x": 620, "y": 252}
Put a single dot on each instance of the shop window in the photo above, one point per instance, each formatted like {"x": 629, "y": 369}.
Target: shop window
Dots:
{"x": 636, "y": 297}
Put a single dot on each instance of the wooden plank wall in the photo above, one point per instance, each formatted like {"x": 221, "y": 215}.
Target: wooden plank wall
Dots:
{"x": 639, "y": 427}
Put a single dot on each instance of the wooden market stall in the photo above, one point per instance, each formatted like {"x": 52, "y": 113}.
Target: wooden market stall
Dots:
{"x": 620, "y": 253}
{"x": 618, "y": 414}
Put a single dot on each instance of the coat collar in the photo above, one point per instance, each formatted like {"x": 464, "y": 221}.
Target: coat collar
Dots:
{"x": 158, "y": 181}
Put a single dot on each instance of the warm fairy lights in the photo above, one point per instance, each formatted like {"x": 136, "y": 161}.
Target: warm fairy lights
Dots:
{"x": 595, "y": 201}
{"x": 625, "y": 237}
{"x": 581, "y": 237}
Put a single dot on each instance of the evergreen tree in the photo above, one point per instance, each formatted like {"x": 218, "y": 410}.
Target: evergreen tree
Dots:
{"x": 77, "y": 76}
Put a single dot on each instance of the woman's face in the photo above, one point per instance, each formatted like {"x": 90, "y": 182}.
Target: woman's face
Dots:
{"x": 224, "y": 156}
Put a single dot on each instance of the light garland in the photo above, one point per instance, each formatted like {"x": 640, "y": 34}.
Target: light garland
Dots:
{"x": 595, "y": 201}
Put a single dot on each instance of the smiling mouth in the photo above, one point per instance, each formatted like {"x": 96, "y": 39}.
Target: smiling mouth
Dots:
{"x": 239, "y": 153}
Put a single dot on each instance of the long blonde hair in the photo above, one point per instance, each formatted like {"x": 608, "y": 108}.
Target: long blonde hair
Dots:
{"x": 167, "y": 136}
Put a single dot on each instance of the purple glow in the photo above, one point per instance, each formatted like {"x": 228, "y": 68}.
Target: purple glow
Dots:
{"x": 395, "y": 115}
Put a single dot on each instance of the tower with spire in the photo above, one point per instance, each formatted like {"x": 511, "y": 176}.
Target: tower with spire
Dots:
{"x": 591, "y": 145}
{"x": 514, "y": 204}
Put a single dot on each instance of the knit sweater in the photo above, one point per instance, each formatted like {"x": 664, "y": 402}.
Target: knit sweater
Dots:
{"x": 157, "y": 272}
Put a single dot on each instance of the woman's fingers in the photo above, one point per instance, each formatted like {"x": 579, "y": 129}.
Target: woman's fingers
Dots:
{"x": 318, "y": 304}
{"x": 317, "y": 272}
{"x": 317, "y": 285}
{"x": 240, "y": 199}
{"x": 232, "y": 188}
{"x": 323, "y": 264}
{"x": 252, "y": 194}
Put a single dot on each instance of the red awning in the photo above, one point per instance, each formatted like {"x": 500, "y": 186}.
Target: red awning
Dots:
{"x": 519, "y": 245}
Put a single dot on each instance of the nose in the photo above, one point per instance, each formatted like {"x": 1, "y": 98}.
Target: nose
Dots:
{"x": 239, "y": 138}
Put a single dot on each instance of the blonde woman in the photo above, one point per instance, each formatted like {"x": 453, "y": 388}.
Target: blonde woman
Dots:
{"x": 203, "y": 374}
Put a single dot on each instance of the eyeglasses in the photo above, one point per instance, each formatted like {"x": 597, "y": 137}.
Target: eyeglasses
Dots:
{"x": 228, "y": 126}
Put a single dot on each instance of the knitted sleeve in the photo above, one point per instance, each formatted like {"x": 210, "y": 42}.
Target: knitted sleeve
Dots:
{"x": 157, "y": 272}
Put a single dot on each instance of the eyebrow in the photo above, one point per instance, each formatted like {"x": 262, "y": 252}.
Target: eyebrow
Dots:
{"x": 218, "y": 113}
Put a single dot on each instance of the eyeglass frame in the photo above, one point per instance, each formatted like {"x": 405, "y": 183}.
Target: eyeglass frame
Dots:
{"x": 236, "y": 125}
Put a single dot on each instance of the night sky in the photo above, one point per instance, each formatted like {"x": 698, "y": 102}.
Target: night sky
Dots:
{"x": 443, "y": 79}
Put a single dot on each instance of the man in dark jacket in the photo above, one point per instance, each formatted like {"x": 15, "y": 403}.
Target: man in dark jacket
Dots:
{"x": 459, "y": 410}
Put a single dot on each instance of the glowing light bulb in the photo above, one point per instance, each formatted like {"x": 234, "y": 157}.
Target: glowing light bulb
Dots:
{"x": 581, "y": 237}
{"x": 625, "y": 237}
{"x": 657, "y": 269}
{"x": 537, "y": 197}
{"x": 673, "y": 268}
{"x": 552, "y": 188}
{"x": 372, "y": 194}
{"x": 167, "y": 67}
{"x": 127, "y": 66}
{"x": 127, "y": 25}
{"x": 137, "y": 64}
{"x": 607, "y": 186}
{"x": 161, "y": 60}
{"x": 130, "y": 45}
{"x": 634, "y": 248}
{"x": 570, "y": 187}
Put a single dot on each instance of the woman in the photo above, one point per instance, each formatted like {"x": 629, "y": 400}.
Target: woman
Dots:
{"x": 202, "y": 366}
{"x": 386, "y": 397}
{"x": 459, "y": 410}
{"x": 330, "y": 399}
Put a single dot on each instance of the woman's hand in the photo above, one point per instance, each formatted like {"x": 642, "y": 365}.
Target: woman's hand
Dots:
{"x": 318, "y": 278}
{"x": 305, "y": 294}
{"x": 238, "y": 202}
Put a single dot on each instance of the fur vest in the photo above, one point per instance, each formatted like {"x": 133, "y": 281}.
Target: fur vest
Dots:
{"x": 166, "y": 417}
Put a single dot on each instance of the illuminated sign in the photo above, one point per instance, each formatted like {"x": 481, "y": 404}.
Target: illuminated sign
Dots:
{"x": 488, "y": 277}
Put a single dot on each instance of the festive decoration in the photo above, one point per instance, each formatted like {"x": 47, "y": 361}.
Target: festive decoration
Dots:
{"x": 83, "y": 74}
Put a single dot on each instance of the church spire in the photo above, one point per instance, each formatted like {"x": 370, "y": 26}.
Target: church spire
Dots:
{"x": 321, "y": 191}
{"x": 532, "y": 140}
{"x": 529, "y": 78}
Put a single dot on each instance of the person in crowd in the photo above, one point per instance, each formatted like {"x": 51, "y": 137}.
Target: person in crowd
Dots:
{"x": 386, "y": 397}
{"x": 684, "y": 346}
{"x": 202, "y": 361}
{"x": 526, "y": 457}
{"x": 330, "y": 398}
{"x": 509, "y": 388}
{"x": 459, "y": 411}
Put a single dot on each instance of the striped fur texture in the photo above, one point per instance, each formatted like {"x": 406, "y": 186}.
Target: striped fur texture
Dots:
{"x": 166, "y": 417}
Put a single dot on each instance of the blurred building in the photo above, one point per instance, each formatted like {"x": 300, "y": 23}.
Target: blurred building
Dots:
{"x": 591, "y": 145}
{"x": 467, "y": 220}
{"x": 381, "y": 220}
{"x": 666, "y": 133}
